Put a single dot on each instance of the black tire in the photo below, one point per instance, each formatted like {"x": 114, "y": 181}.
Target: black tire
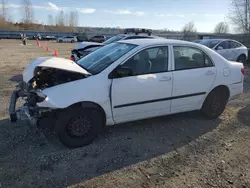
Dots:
{"x": 242, "y": 59}
{"x": 215, "y": 103}
{"x": 60, "y": 41}
{"x": 72, "y": 41}
{"x": 77, "y": 127}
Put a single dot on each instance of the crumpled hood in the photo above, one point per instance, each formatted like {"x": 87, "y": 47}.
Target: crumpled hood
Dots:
{"x": 82, "y": 45}
{"x": 51, "y": 62}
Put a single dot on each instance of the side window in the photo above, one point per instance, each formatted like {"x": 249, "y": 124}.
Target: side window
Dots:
{"x": 151, "y": 60}
{"x": 233, "y": 44}
{"x": 224, "y": 45}
{"x": 190, "y": 58}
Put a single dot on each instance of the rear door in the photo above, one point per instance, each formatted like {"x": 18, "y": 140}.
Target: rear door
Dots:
{"x": 194, "y": 74}
{"x": 65, "y": 39}
{"x": 235, "y": 50}
{"x": 69, "y": 39}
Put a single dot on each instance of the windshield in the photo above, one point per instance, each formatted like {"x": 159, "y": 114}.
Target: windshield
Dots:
{"x": 101, "y": 58}
{"x": 113, "y": 39}
{"x": 209, "y": 43}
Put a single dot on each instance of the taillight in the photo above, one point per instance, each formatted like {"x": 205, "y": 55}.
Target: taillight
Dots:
{"x": 243, "y": 70}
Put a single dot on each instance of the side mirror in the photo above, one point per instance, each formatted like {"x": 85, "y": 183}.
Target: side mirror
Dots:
{"x": 121, "y": 72}
{"x": 220, "y": 48}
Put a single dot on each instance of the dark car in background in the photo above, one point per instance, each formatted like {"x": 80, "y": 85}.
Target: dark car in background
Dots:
{"x": 48, "y": 37}
{"x": 84, "y": 48}
{"x": 98, "y": 38}
{"x": 37, "y": 37}
{"x": 81, "y": 37}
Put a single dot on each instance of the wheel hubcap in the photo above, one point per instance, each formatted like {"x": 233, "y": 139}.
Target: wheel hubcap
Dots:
{"x": 242, "y": 60}
{"x": 216, "y": 104}
{"x": 79, "y": 126}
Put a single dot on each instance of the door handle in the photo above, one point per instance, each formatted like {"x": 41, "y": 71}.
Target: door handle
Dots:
{"x": 210, "y": 73}
{"x": 164, "y": 78}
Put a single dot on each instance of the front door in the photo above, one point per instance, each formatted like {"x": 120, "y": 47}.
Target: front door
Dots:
{"x": 147, "y": 92}
{"x": 194, "y": 74}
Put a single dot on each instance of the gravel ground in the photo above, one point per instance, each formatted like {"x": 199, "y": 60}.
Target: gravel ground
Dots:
{"x": 183, "y": 150}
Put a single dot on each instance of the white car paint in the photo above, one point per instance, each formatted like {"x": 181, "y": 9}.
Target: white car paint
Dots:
{"x": 52, "y": 62}
{"x": 112, "y": 93}
{"x": 82, "y": 45}
{"x": 231, "y": 54}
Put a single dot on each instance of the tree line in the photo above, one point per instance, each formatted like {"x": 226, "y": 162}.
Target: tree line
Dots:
{"x": 67, "y": 22}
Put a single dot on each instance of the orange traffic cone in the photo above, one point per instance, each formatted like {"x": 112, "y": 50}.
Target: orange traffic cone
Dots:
{"x": 37, "y": 42}
{"x": 55, "y": 52}
{"x": 47, "y": 49}
{"x": 70, "y": 57}
{"x": 41, "y": 46}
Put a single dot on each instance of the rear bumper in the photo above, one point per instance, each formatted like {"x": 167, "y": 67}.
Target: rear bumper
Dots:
{"x": 235, "y": 90}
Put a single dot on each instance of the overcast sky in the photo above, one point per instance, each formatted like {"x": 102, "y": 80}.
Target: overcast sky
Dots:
{"x": 154, "y": 14}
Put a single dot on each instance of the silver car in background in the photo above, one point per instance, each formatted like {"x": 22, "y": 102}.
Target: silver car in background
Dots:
{"x": 71, "y": 39}
{"x": 230, "y": 49}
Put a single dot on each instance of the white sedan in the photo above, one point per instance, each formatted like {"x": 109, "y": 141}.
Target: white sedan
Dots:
{"x": 230, "y": 49}
{"x": 126, "y": 81}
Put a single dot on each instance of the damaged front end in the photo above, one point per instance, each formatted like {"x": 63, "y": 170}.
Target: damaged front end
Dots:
{"x": 29, "y": 111}
{"x": 31, "y": 93}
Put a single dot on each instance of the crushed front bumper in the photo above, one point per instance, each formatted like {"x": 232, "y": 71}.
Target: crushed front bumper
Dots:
{"x": 23, "y": 114}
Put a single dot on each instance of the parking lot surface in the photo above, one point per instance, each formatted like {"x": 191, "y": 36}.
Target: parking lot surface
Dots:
{"x": 183, "y": 150}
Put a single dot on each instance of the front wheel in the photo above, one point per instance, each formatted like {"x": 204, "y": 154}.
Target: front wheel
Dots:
{"x": 215, "y": 103}
{"x": 72, "y": 41}
{"x": 60, "y": 41}
{"x": 79, "y": 127}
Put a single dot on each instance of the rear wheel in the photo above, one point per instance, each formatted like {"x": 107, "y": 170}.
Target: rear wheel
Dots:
{"x": 215, "y": 103}
{"x": 78, "y": 127}
{"x": 242, "y": 59}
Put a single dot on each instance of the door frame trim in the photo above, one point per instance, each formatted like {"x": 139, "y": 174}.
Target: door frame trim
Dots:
{"x": 159, "y": 100}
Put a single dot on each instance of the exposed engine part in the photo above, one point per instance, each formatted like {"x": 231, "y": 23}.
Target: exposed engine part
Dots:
{"x": 30, "y": 95}
{"x": 48, "y": 77}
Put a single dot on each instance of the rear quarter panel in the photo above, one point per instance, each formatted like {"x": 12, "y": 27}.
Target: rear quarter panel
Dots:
{"x": 228, "y": 73}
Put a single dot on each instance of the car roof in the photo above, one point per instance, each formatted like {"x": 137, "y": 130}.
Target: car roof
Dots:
{"x": 220, "y": 40}
{"x": 160, "y": 41}
{"x": 139, "y": 35}
{"x": 214, "y": 39}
